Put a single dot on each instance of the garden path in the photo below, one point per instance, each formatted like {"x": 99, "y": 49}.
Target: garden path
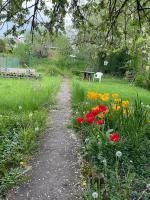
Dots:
{"x": 55, "y": 172}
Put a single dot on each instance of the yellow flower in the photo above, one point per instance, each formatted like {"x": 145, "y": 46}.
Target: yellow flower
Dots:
{"x": 125, "y": 103}
{"x": 115, "y": 95}
{"x": 99, "y": 96}
{"x": 93, "y": 95}
{"x": 105, "y": 97}
{"x": 117, "y": 100}
{"x": 115, "y": 107}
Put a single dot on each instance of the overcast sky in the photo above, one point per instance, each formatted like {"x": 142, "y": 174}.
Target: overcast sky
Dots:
{"x": 8, "y": 25}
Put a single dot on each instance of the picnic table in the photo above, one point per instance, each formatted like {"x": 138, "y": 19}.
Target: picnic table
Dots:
{"x": 87, "y": 75}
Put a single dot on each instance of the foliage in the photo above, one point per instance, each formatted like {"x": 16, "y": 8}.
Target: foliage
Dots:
{"x": 22, "y": 51}
{"x": 117, "y": 62}
{"x": 109, "y": 11}
{"x": 2, "y": 46}
{"x": 23, "y": 113}
{"x": 115, "y": 140}
{"x": 143, "y": 79}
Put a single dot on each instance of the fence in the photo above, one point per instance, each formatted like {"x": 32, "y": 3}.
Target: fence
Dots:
{"x": 6, "y": 62}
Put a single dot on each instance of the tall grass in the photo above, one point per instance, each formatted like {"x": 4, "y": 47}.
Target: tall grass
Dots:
{"x": 24, "y": 106}
{"x": 29, "y": 94}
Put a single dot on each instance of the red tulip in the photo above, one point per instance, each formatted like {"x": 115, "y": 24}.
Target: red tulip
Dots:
{"x": 90, "y": 115}
{"x": 114, "y": 137}
{"x": 100, "y": 122}
{"x": 80, "y": 120}
{"x": 90, "y": 120}
{"x": 102, "y": 108}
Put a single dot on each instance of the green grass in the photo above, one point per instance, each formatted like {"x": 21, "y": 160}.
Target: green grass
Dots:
{"x": 21, "y": 128}
{"x": 29, "y": 94}
{"x": 113, "y": 85}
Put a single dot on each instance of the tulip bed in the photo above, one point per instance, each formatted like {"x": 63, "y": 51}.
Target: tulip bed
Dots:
{"x": 115, "y": 152}
{"x": 24, "y": 106}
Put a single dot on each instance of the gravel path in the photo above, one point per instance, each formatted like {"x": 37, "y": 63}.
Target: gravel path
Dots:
{"x": 55, "y": 172}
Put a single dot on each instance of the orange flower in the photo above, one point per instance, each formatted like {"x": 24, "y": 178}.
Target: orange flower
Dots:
{"x": 101, "y": 115}
{"x": 93, "y": 95}
{"x": 106, "y": 111}
{"x": 125, "y": 103}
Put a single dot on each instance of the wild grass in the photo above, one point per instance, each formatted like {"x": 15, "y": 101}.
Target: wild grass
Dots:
{"x": 29, "y": 95}
{"x": 24, "y": 106}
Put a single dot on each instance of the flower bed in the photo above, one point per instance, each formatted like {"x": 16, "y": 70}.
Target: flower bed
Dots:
{"x": 115, "y": 145}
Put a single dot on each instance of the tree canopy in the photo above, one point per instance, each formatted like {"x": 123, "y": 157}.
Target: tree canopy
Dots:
{"x": 51, "y": 14}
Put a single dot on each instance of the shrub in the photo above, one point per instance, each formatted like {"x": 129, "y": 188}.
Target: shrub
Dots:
{"x": 143, "y": 80}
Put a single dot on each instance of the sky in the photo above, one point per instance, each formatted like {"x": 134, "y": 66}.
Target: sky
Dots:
{"x": 68, "y": 22}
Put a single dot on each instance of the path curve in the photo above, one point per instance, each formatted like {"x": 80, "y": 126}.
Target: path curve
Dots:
{"x": 55, "y": 173}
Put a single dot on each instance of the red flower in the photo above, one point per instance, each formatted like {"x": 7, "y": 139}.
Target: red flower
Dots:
{"x": 90, "y": 115}
{"x": 100, "y": 122}
{"x": 80, "y": 120}
{"x": 95, "y": 111}
{"x": 102, "y": 108}
{"x": 114, "y": 137}
{"x": 90, "y": 120}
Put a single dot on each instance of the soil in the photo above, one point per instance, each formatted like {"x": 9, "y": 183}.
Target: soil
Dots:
{"x": 55, "y": 173}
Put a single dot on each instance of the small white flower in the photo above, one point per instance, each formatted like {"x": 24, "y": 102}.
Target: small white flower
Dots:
{"x": 20, "y": 107}
{"x": 1, "y": 115}
{"x": 147, "y": 106}
{"x": 36, "y": 129}
{"x": 118, "y": 154}
{"x": 86, "y": 140}
{"x": 110, "y": 130}
{"x": 104, "y": 162}
{"x": 95, "y": 195}
{"x": 30, "y": 115}
{"x": 148, "y": 186}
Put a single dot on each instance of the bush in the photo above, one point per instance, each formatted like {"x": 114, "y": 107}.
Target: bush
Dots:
{"x": 143, "y": 80}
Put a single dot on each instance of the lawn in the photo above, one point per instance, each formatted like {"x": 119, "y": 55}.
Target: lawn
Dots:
{"x": 26, "y": 94}
{"x": 114, "y": 85}
{"x": 24, "y": 106}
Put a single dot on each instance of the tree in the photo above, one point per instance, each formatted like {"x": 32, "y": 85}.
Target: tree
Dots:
{"x": 2, "y": 46}
{"x": 23, "y": 13}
